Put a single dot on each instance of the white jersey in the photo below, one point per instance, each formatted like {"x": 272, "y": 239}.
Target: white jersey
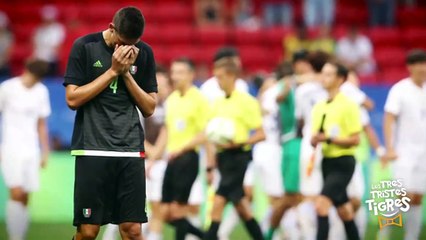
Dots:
{"x": 211, "y": 89}
{"x": 269, "y": 107}
{"x": 306, "y": 96}
{"x": 359, "y": 97}
{"x": 407, "y": 101}
{"x": 21, "y": 109}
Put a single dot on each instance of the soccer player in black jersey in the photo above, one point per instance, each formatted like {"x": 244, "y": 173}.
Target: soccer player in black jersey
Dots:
{"x": 110, "y": 75}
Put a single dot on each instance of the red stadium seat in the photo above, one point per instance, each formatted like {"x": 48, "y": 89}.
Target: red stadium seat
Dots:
{"x": 415, "y": 37}
{"x": 212, "y": 35}
{"x": 369, "y": 79}
{"x": 390, "y": 57}
{"x": 382, "y": 37}
{"x": 96, "y": 13}
{"x": 173, "y": 13}
{"x": 348, "y": 15}
{"x": 254, "y": 56}
{"x": 411, "y": 17}
{"x": 171, "y": 34}
{"x": 248, "y": 37}
{"x": 393, "y": 75}
{"x": 274, "y": 36}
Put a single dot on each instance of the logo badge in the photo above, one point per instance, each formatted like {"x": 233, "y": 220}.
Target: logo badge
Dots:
{"x": 133, "y": 69}
{"x": 97, "y": 64}
{"x": 87, "y": 212}
{"x": 388, "y": 201}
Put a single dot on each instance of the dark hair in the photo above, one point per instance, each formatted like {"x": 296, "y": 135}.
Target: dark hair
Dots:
{"x": 225, "y": 52}
{"x": 228, "y": 64}
{"x": 37, "y": 67}
{"x": 416, "y": 56}
{"x": 341, "y": 70}
{"x": 186, "y": 61}
{"x": 284, "y": 69}
{"x": 318, "y": 59}
{"x": 301, "y": 55}
{"x": 129, "y": 22}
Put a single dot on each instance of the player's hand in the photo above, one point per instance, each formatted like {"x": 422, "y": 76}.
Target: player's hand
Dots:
{"x": 389, "y": 156}
{"x": 44, "y": 159}
{"x": 173, "y": 155}
{"x": 320, "y": 137}
{"x": 148, "y": 167}
{"x": 229, "y": 145}
{"x": 121, "y": 59}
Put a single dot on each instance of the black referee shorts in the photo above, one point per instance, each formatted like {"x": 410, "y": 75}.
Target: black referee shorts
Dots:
{"x": 179, "y": 177}
{"x": 337, "y": 173}
{"x": 109, "y": 190}
{"x": 232, "y": 166}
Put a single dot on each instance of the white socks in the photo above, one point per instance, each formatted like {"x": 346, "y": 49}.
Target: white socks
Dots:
{"x": 308, "y": 221}
{"x": 229, "y": 222}
{"x": 413, "y": 222}
{"x": 17, "y": 220}
{"x": 361, "y": 221}
{"x": 111, "y": 232}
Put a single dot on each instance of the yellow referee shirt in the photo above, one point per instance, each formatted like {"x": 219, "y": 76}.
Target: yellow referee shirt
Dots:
{"x": 243, "y": 110}
{"x": 186, "y": 117}
{"x": 342, "y": 119}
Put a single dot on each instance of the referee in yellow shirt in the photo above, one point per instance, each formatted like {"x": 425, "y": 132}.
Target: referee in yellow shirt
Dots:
{"x": 233, "y": 157}
{"x": 336, "y": 124}
{"x": 187, "y": 114}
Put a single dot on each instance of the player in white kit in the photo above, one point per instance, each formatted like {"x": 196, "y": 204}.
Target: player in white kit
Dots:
{"x": 24, "y": 104}
{"x": 405, "y": 137}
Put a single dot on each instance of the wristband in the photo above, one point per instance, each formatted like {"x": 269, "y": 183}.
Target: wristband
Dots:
{"x": 329, "y": 141}
{"x": 380, "y": 151}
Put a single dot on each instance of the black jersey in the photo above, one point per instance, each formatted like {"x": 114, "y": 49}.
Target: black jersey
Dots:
{"x": 108, "y": 125}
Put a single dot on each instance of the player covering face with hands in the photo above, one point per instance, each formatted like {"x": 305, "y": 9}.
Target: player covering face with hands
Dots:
{"x": 110, "y": 76}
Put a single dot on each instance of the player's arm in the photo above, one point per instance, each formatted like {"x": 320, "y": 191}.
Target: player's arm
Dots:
{"x": 388, "y": 132}
{"x": 368, "y": 104}
{"x": 77, "y": 96}
{"x": 347, "y": 142}
{"x": 282, "y": 96}
{"x": 160, "y": 145}
{"x": 44, "y": 140}
{"x": 144, "y": 101}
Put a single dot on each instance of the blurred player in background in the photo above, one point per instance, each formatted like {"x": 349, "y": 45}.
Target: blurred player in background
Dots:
{"x": 336, "y": 124}
{"x": 212, "y": 91}
{"x": 405, "y": 139}
{"x": 288, "y": 154}
{"x": 155, "y": 163}
{"x": 24, "y": 104}
{"x": 210, "y": 87}
{"x": 309, "y": 93}
{"x": 234, "y": 157}
{"x": 187, "y": 113}
{"x": 109, "y": 76}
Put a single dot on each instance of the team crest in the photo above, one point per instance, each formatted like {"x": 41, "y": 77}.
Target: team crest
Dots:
{"x": 133, "y": 69}
{"x": 87, "y": 212}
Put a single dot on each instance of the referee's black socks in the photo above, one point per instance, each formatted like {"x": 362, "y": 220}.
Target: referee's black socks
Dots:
{"x": 351, "y": 230}
{"x": 183, "y": 227}
{"x": 254, "y": 229}
{"x": 323, "y": 227}
{"x": 212, "y": 232}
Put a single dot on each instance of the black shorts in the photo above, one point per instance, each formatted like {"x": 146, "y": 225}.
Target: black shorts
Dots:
{"x": 232, "y": 166}
{"x": 179, "y": 177}
{"x": 109, "y": 190}
{"x": 337, "y": 173}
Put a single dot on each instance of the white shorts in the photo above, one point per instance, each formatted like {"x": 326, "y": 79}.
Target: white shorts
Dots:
{"x": 310, "y": 185}
{"x": 197, "y": 196}
{"x": 154, "y": 182}
{"x": 356, "y": 186}
{"x": 249, "y": 176}
{"x": 411, "y": 168}
{"x": 21, "y": 169}
{"x": 267, "y": 165}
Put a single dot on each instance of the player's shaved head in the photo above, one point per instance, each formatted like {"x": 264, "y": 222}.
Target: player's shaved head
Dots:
{"x": 37, "y": 67}
{"x": 129, "y": 22}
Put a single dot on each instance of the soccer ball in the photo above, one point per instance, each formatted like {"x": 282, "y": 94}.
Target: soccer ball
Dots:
{"x": 220, "y": 130}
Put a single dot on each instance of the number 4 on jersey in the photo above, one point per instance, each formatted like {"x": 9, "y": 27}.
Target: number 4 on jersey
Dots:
{"x": 114, "y": 85}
